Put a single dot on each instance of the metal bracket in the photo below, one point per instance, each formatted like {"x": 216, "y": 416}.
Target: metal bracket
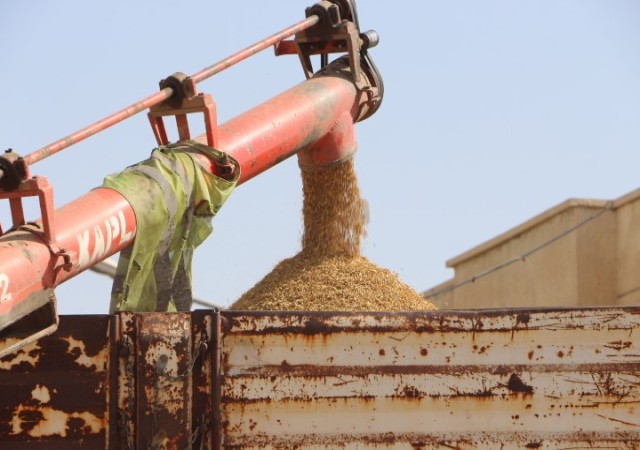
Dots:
{"x": 30, "y": 320}
{"x": 35, "y": 316}
{"x": 332, "y": 34}
{"x": 185, "y": 100}
{"x": 18, "y": 183}
{"x": 338, "y": 31}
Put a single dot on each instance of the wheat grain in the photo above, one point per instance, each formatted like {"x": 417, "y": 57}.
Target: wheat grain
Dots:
{"x": 329, "y": 274}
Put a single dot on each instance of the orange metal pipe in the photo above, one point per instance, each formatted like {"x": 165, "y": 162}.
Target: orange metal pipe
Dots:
{"x": 166, "y": 93}
{"x": 288, "y": 123}
{"x": 335, "y": 146}
{"x": 101, "y": 222}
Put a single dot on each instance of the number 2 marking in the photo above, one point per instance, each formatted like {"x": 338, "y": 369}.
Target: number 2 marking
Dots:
{"x": 4, "y": 287}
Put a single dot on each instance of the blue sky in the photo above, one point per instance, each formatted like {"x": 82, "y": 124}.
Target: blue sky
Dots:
{"x": 494, "y": 111}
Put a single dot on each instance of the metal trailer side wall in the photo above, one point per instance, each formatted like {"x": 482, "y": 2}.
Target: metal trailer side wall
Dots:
{"x": 523, "y": 378}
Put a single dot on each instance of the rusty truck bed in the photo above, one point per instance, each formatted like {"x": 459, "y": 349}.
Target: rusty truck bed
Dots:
{"x": 488, "y": 379}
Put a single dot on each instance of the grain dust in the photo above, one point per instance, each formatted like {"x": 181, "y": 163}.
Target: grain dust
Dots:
{"x": 329, "y": 274}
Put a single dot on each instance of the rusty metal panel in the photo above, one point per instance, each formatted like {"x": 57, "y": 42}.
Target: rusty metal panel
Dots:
{"x": 127, "y": 381}
{"x": 481, "y": 379}
{"x": 165, "y": 380}
{"x": 54, "y": 392}
{"x": 489, "y": 379}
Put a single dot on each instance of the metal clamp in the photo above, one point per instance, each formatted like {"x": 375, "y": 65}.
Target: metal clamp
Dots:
{"x": 185, "y": 100}
{"x": 338, "y": 31}
{"x": 17, "y": 183}
{"x": 35, "y": 316}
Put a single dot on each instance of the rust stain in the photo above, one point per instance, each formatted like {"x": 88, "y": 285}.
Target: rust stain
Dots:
{"x": 618, "y": 345}
{"x": 412, "y": 392}
{"x": 29, "y": 355}
{"x": 40, "y": 422}
{"x": 83, "y": 358}
{"x": 523, "y": 319}
{"x": 515, "y": 384}
{"x": 613, "y": 419}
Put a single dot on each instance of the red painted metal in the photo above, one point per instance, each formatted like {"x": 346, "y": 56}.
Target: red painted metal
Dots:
{"x": 253, "y": 49}
{"x": 90, "y": 229}
{"x": 335, "y": 146}
{"x": 98, "y": 126}
{"x": 101, "y": 223}
{"x": 199, "y": 103}
{"x": 165, "y": 93}
{"x": 280, "y": 127}
{"x": 33, "y": 187}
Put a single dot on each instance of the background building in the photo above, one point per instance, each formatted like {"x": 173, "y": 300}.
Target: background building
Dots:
{"x": 578, "y": 253}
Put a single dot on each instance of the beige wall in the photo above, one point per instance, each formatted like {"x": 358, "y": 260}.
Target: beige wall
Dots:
{"x": 628, "y": 250}
{"x": 546, "y": 262}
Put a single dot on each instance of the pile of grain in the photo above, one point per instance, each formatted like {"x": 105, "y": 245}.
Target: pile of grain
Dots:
{"x": 329, "y": 274}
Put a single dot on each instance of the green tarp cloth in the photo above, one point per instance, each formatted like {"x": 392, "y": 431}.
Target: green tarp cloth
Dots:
{"x": 174, "y": 199}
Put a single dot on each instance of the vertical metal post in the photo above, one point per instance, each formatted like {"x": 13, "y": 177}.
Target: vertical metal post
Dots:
{"x": 163, "y": 368}
{"x": 167, "y": 381}
{"x": 204, "y": 376}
